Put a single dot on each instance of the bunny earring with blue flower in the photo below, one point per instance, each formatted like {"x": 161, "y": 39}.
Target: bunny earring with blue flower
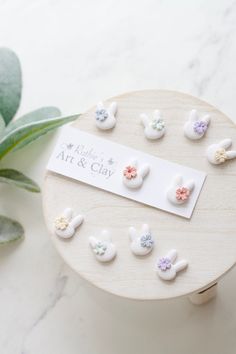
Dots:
{"x": 141, "y": 244}
{"x": 105, "y": 117}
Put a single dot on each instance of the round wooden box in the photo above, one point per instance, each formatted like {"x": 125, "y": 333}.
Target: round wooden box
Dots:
{"x": 207, "y": 240}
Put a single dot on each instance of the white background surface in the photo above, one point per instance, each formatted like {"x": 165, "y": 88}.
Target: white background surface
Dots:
{"x": 74, "y": 53}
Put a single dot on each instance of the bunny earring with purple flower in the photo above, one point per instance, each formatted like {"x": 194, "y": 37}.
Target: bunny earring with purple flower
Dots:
{"x": 196, "y": 127}
{"x": 166, "y": 269}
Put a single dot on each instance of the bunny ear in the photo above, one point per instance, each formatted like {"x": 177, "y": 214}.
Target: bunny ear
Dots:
{"x": 157, "y": 114}
{"x": 226, "y": 143}
{"x": 144, "y": 119}
{"x": 190, "y": 184}
{"x": 113, "y": 108}
{"x": 145, "y": 228}
{"x": 172, "y": 254}
{"x": 177, "y": 181}
{"x": 206, "y": 118}
{"x": 132, "y": 233}
{"x": 67, "y": 213}
{"x": 133, "y": 162}
{"x": 180, "y": 265}
{"x": 144, "y": 170}
{"x": 105, "y": 234}
{"x": 193, "y": 116}
{"x": 77, "y": 220}
{"x": 231, "y": 154}
{"x": 92, "y": 241}
{"x": 100, "y": 105}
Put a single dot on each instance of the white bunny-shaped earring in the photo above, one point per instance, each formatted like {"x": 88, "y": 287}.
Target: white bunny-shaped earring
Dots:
{"x": 196, "y": 127}
{"x": 179, "y": 192}
{"x": 154, "y": 128}
{"x": 165, "y": 267}
{"x": 65, "y": 226}
{"x": 105, "y": 118}
{"x": 141, "y": 244}
{"x": 103, "y": 247}
{"x": 217, "y": 153}
{"x": 133, "y": 176}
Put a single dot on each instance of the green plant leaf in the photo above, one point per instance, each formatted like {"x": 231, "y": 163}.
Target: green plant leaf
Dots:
{"x": 10, "y": 84}
{"x": 33, "y": 126}
{"x": 18, "y": 179}
{"x": 10, "y": 230}
{"x": 2, "y": 124}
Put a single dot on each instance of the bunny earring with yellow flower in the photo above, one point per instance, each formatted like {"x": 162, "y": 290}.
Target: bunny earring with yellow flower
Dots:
{"x": 65, "y": 225}
{"x": 218, "y": 153}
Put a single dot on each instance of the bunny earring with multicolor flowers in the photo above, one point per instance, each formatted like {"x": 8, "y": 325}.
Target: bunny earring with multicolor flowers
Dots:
{"x": 141, "y": 244}
{"x": 179, "y": 192}
{"x": 133, "y": 176}
{"x": 65, "y": 225}
{"x": 102, "y": 246}
{"x": 217, "y": 153}
{"x": 166, "y": 269}
{"x": 154, "y": 128}
{"x": 105, "y": 117}
{"x": 196, "y": 127}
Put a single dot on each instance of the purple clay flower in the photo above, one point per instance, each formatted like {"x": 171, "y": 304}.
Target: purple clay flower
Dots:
{"x": 200, "y": 127}
{"x": 164, "y": 264}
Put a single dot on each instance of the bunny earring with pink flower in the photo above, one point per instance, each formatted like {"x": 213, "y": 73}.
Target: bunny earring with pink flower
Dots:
{"x": 105, "y": 118}
{"x": 133, "y": 176}
{"x": 179, "y": 192}
{"x": 217, "y": 153}
{"x": 196, "y": 127}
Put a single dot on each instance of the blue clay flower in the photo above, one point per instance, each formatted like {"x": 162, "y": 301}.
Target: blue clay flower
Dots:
{"x": 101, "y": 114}
{"x": 146, "y": 241}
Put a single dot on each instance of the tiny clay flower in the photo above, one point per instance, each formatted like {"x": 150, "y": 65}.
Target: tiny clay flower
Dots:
{"x": 61, "y": 223}
{"x": 146, "y": 240}
{"x": 220, "y": 155}
{"x": 164, "y": 263}
{"x": 100, "y": 248}
{"x": 130, "y": 172}
{"x": 101, "y": 114}
{"x": 182, "y": 193}
{"x": 158, "y": 124}
{"x": 200, "y": 127}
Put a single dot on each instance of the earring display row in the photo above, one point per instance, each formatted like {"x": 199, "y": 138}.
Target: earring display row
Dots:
{"x": 207, "y": 240}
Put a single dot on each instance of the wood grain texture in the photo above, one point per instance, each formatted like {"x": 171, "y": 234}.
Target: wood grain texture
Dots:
{"x": 207, "y": 241}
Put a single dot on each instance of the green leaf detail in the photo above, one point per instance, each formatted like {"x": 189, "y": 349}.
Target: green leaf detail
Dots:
{"x": 18, "y": 179}
{"x": 34, "y": 124}
{"x": 10, "y": 230}
{"x": 10, "y": 84}
{"x": 2, "y": 124}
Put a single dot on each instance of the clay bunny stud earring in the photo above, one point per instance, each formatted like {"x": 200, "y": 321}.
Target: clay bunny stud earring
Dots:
{"x": 133, "y": 176}
{"x": 105, "y": 118}
{"x": 141, "y": 244}
{"x": 103, "y": 247}
{"x": 179, "y": 193}
{"x": 196, "y": 127}
{"x": 165, "y": 267}
{"x": 65, "y": 226}
{"x": 154, "y": 128}
{"x": 217, "y": 153}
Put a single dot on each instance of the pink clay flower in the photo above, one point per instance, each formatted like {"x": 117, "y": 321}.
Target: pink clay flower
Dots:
{"x": 130, "y": 172}
{"x": 182, "y": 193}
